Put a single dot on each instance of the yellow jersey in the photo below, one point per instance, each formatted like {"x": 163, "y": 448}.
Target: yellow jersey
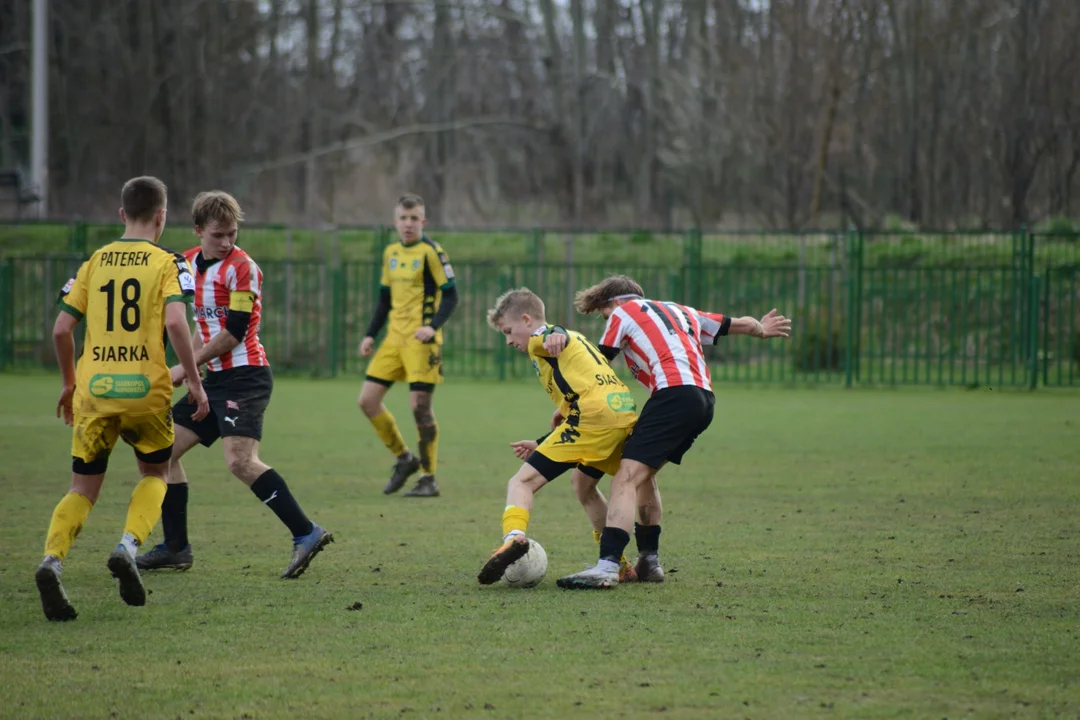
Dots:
{"x": 581, "y": 383}
{"x": 122, "y": 291}
{"x": 416, "y": 275}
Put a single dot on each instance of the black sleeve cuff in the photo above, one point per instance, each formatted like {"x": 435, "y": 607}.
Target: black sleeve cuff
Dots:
{"x": 724, "y": 327}
{"x": 609, "y": 352}
{"x": 236, "y": 324}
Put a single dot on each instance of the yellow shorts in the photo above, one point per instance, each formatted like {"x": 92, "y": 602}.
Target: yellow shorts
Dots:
{"x": 414, "y": 363}
{"x": 568, "y": 446}
{"x": 95, "y": 437}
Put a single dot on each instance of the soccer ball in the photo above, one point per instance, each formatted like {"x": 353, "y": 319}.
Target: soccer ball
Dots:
{"x": 529, "y": 570}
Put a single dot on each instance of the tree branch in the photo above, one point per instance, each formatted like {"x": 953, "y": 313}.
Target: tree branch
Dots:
{"x": 385, "y": 136}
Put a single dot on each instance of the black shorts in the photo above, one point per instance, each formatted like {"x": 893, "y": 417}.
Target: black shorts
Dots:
{"x": 668, "y": 425}
{"x": 238, "y": 400}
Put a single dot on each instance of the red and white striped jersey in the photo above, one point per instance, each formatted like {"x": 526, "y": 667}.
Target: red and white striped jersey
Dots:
{"x": 233, "y": 282}
{"x": 662, "y": 342}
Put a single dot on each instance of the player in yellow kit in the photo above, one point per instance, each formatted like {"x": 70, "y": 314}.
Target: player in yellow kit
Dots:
{"x": 595, "y": 415}
{"x": 418, "y": 294}
{"x": 131, "y": 293}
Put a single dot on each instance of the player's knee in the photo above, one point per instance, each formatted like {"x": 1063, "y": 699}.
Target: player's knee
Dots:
{"x": 423, "y": 415}
{"x": 530, "y": 482}
{"x": 369, "y": 406}
{"x": 240, "y": 466}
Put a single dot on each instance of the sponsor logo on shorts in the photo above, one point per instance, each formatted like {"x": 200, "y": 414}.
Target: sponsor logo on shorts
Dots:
{"x": 621, "y": 402}
{"x": 121, "y": 387}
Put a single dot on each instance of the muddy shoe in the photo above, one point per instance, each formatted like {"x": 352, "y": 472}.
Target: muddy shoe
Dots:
{"x": 407, "y": 464}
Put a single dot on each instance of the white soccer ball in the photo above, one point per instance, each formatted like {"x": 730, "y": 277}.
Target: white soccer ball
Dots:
{"x": 529, "y": 570}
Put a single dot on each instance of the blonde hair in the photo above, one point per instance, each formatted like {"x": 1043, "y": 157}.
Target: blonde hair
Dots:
{"x": 520, "y": 301}
{"x": 215, "y": 205}
{"x": 600, "y": 295}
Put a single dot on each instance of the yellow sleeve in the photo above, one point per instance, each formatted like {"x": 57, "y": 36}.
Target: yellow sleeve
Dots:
{"x": 177, "y": 282}
{"x": 536, "y": 342}
{"x": 536, "y": 347}
{"x": 440, "y": 267}
{"x": 72, "y": 299}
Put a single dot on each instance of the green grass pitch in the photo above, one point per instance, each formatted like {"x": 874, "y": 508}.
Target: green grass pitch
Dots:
{"x": 858, "y": 554}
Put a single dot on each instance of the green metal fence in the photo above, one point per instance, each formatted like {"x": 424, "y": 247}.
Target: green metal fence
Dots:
{"x": 988, "y": 309}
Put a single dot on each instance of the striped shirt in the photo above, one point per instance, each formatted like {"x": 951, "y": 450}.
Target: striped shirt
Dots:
{"x": 233, "y": 282}
{"x": 662, "y": 342}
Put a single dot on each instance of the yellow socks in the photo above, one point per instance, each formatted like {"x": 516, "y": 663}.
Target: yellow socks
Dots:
{"x": 144, "y": 510}
{"x": 67, "y": 520}
{"x": 388, "y": 432}
{"x": 514, "y": 518}
{"x": 596, "y": 537}
{"x": 429, "y": 448}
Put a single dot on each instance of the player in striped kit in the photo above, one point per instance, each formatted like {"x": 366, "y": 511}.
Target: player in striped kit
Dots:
{"x": 228, "y": 309}
{"x": 662, "y": 344}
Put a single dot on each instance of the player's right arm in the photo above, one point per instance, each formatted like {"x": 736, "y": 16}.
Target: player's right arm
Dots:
{"x": 382, "y": 309}
{"x": 378, "y": 319}
{"x": 72, "y": 302}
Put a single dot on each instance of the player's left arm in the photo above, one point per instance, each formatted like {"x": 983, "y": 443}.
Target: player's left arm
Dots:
{"x": 242, "y": 294}
{"x": 443, "y": 273}
{"x": 771, "y": 325}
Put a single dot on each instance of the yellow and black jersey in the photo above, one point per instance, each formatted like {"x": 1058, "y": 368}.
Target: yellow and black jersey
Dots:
{"x": 121, "y": 292}
{"x": 416, "y": 276}
{"x": 581, "y": 383}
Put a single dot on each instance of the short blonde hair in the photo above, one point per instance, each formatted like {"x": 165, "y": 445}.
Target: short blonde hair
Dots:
{"x": 520, "y": 301}
{"x": 215, "y": 205}
{"x": 600, "y": 295}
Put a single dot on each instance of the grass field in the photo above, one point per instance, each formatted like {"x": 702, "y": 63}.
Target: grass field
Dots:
{"x": 865, "y": 554}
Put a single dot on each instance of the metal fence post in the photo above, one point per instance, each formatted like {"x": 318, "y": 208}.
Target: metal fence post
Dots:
{"x": 692, "y": 259}
{"x": 337, "y": 315}
{"x": 850, "y": 312}
{"x": 1033, "y": 332}
{"x": 537, "y": 242}
{"x": 7, "y": 313}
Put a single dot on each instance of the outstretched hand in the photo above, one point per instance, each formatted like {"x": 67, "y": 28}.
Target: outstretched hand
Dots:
{"x": 523, "y": 448}
{"x": 775, "y": 325}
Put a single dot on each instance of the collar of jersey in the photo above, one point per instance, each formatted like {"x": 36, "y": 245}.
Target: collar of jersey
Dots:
{"x": 422, "y": 239}
{"x": 201, "y": 263}
{"x": 124, "y": 239}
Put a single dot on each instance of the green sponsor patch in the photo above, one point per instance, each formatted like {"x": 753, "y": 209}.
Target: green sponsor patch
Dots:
{"x": 125, "y": 387}
{"x": 621, "y": 402}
